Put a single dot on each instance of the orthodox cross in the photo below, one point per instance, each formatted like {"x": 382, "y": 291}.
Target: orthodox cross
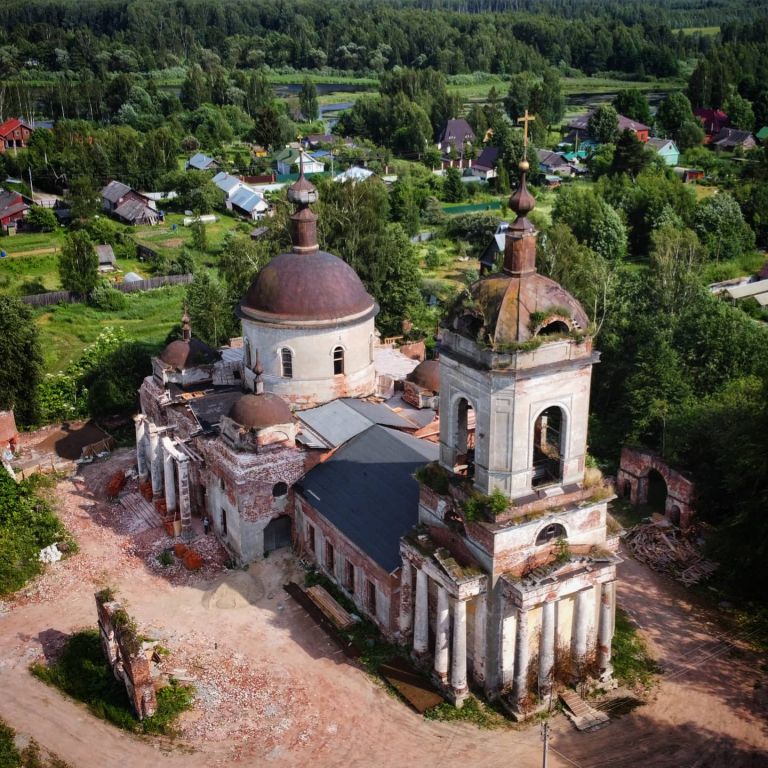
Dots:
{"x": 525, "y": 120}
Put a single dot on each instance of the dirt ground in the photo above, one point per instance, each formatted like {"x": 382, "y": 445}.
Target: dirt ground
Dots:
{"x": 272, "y": 689}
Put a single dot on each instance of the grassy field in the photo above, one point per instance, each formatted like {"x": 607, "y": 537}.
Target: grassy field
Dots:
{"x": 66, "y": 329}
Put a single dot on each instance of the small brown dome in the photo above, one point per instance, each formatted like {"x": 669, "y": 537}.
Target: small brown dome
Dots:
{"x": 260, "y": 411}
{"x": 427, "y": 375}
{"x": 503, "y": 311}
{"x": 182, "y": 354}
{"x": 311, "y": 286}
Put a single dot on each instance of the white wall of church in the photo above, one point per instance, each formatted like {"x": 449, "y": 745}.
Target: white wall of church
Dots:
{"x": 313, "y": 381}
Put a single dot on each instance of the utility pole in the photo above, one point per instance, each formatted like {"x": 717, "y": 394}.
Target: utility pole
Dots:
{"x": 545, "y": 739}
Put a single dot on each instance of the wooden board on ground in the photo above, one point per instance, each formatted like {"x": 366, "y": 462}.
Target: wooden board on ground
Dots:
{"x": 413, "y": 686}
{"x": 581, "y": 714}
{"x": 323, "y": 600}
{"x": 144, "y": 515}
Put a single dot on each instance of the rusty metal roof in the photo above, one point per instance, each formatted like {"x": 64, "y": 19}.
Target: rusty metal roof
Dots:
{"x": 182, "y": 354}
{"x": 427, "y": 375}
{"x": 261, "y": 411}
{"x": 313, "y": 286}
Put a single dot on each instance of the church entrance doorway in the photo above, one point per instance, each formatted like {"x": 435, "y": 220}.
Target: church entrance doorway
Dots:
{"x": 548, "y": 437}
{"x": 277, "y": 534}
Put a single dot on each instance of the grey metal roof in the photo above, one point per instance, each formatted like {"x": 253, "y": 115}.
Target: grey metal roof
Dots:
{"x": 378, "y": 413}
{"x": 200, "y": 161}
{"x": 225, "y": 182}
{"x": 367, "y": 490}
{"x": 114, "y": 191}
{"x": 419, "y": 416}
{"x": 334, "y": 422}
{"x": 105, "y": 253}
{"x": 247, "y": 200}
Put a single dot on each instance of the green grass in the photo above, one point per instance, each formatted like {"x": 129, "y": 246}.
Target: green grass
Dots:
{"x": 632, "y": 664}
{"x": 474, "y": 711}
{"x": 66, "y": 329}
{"x": 32, "y": 241}
{"x": 83, "y": 673}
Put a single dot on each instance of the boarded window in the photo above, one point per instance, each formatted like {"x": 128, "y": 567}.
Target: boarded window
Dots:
{"x": 371, "y": 598}
{"x": 311, "y": 537}
{"x": 349, "y": 577}
{"x": 330, "y": 556}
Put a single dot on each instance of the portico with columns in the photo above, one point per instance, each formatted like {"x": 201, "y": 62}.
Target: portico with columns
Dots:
{"x": 443, "y": 610}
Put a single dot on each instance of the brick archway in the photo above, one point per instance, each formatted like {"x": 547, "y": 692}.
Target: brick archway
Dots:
{"x": 632, "y": 482}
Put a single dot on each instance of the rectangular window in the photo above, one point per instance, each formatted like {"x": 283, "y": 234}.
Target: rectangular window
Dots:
{"x": 329, "y": 556}
{"x": 349, "y": 577}
{"x": 311, "y": 537}
{"x": 223, "y": 521}
{"x": 371, "y": 598}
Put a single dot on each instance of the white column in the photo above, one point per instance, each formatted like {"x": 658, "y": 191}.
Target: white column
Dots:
{"x": 520, "y": 684}
{"x": 441, "y": 635}
{"x": 185, "y": 506}
{"x": 421, "y": 617}
{"x": 580, "y": 627}
{"x": 481, "y": 618}
{"x": 605, "y": 630}
{"x": 406, "y": 598}
{"x": 547, "y": 647}
{"x": 155, "y": 461}
{"x": 140, "y": 423}
{"x": 459, "y": 658}
{"x": 170, "y": 483}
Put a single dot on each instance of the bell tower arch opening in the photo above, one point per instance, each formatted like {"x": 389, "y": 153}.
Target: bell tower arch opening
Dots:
{"x": 464, "y": 437}
{"x": 549, "y": 433}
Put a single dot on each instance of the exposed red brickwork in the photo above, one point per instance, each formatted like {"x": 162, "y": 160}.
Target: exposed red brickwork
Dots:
{"x": 632, "y": 481}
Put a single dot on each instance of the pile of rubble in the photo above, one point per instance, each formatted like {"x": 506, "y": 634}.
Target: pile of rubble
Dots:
{"x": 666, "y": 549}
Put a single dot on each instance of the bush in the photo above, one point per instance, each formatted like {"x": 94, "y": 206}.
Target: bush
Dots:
{"x": 107, "y": 298}
{"x": 434, "y": 477}
{"x": 82, "y": 672}
{"x": 27, "y": 524}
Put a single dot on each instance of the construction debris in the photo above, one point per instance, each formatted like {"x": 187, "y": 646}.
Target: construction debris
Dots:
{"x": 666, "y": 549}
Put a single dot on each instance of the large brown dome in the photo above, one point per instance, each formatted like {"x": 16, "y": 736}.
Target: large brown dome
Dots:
{"x": 306, "y": 287}
{"x": 181, "y": 354}
{"x": 504, "y": 311}
{"x": 260, "y": 411}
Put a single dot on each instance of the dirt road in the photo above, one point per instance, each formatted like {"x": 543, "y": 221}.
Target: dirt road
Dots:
{"x": 274, "y": 690}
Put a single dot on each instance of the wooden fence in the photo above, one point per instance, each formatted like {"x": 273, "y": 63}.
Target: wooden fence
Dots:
{"x": 69, "y": 297}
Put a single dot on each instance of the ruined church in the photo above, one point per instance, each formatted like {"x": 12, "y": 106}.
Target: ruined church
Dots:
{"x": 449, "y": 500}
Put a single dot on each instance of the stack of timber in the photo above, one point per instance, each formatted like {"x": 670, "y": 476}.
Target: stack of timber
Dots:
{"x": 323, "y": 600}
{"x": 667, "y": 550}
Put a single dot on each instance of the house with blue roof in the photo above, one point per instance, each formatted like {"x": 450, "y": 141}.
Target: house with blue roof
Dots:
{"x": 201, "y": 162}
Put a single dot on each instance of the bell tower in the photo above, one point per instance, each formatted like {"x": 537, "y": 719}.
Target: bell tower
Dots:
{"x": 515, "y": 369}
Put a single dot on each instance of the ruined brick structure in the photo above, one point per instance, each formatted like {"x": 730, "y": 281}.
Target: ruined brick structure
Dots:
{"x": 633, "y": 480}
{"x": 123, "y": 651}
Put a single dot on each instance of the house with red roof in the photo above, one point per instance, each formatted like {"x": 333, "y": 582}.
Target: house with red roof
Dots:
{"x": 13, "y": 209}
{"x": 712, "y": 120}
{"x": 14, "y": 134}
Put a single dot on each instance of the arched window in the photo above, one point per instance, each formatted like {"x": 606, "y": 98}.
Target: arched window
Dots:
{"x": 555, "y": 328}
{"x": 548, "y": 447}
{"x": 464, "y": 438}
{"x": 338, "y": 361}
{"x": 550, "y": 533}
{"x": 247, "y": 352}
{"x": 286, "y": 361}
{"x": 279, "y": 489}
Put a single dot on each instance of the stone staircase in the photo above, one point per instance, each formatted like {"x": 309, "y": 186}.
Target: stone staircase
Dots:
{"x": 581, "y": 714}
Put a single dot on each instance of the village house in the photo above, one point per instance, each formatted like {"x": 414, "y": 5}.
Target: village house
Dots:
{"x": 729, "y": 139}
{"x": 289, "y": 159}
{"x": 353, "y": 174}
{"x": 485, "y": 165}
{"x": 712, "y": 120}
{"x": 472, "y": 534}
{"x": 14, "y": 135}
{"x": 201, "y": 162}
{"x": 240, "y": 197}
{"x": 580, "y": 125}
{"x": 13, "y": 210}
{"x": 454, "y": 138}
{"x": 666, "y": 149}
{"x": 553, "y": 163}
{"x": 107, "y": 261}
{"x": 128, "y": 205}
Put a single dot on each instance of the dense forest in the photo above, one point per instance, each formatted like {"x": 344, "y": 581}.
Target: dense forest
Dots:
{"x": 123, "y": 36}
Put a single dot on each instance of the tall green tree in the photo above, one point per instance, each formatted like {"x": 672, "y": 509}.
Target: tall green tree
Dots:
{"x": 720, "y": 225}
{"x": 22, "y": 357}
{"x": 603, "y": 124}
{"x": 673, "y": 113}
{"x": 78, "y": 263}
{"x": 210, "y": 310}
{"x": 308, "y": 100}
{"x": 632, "y": 103}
